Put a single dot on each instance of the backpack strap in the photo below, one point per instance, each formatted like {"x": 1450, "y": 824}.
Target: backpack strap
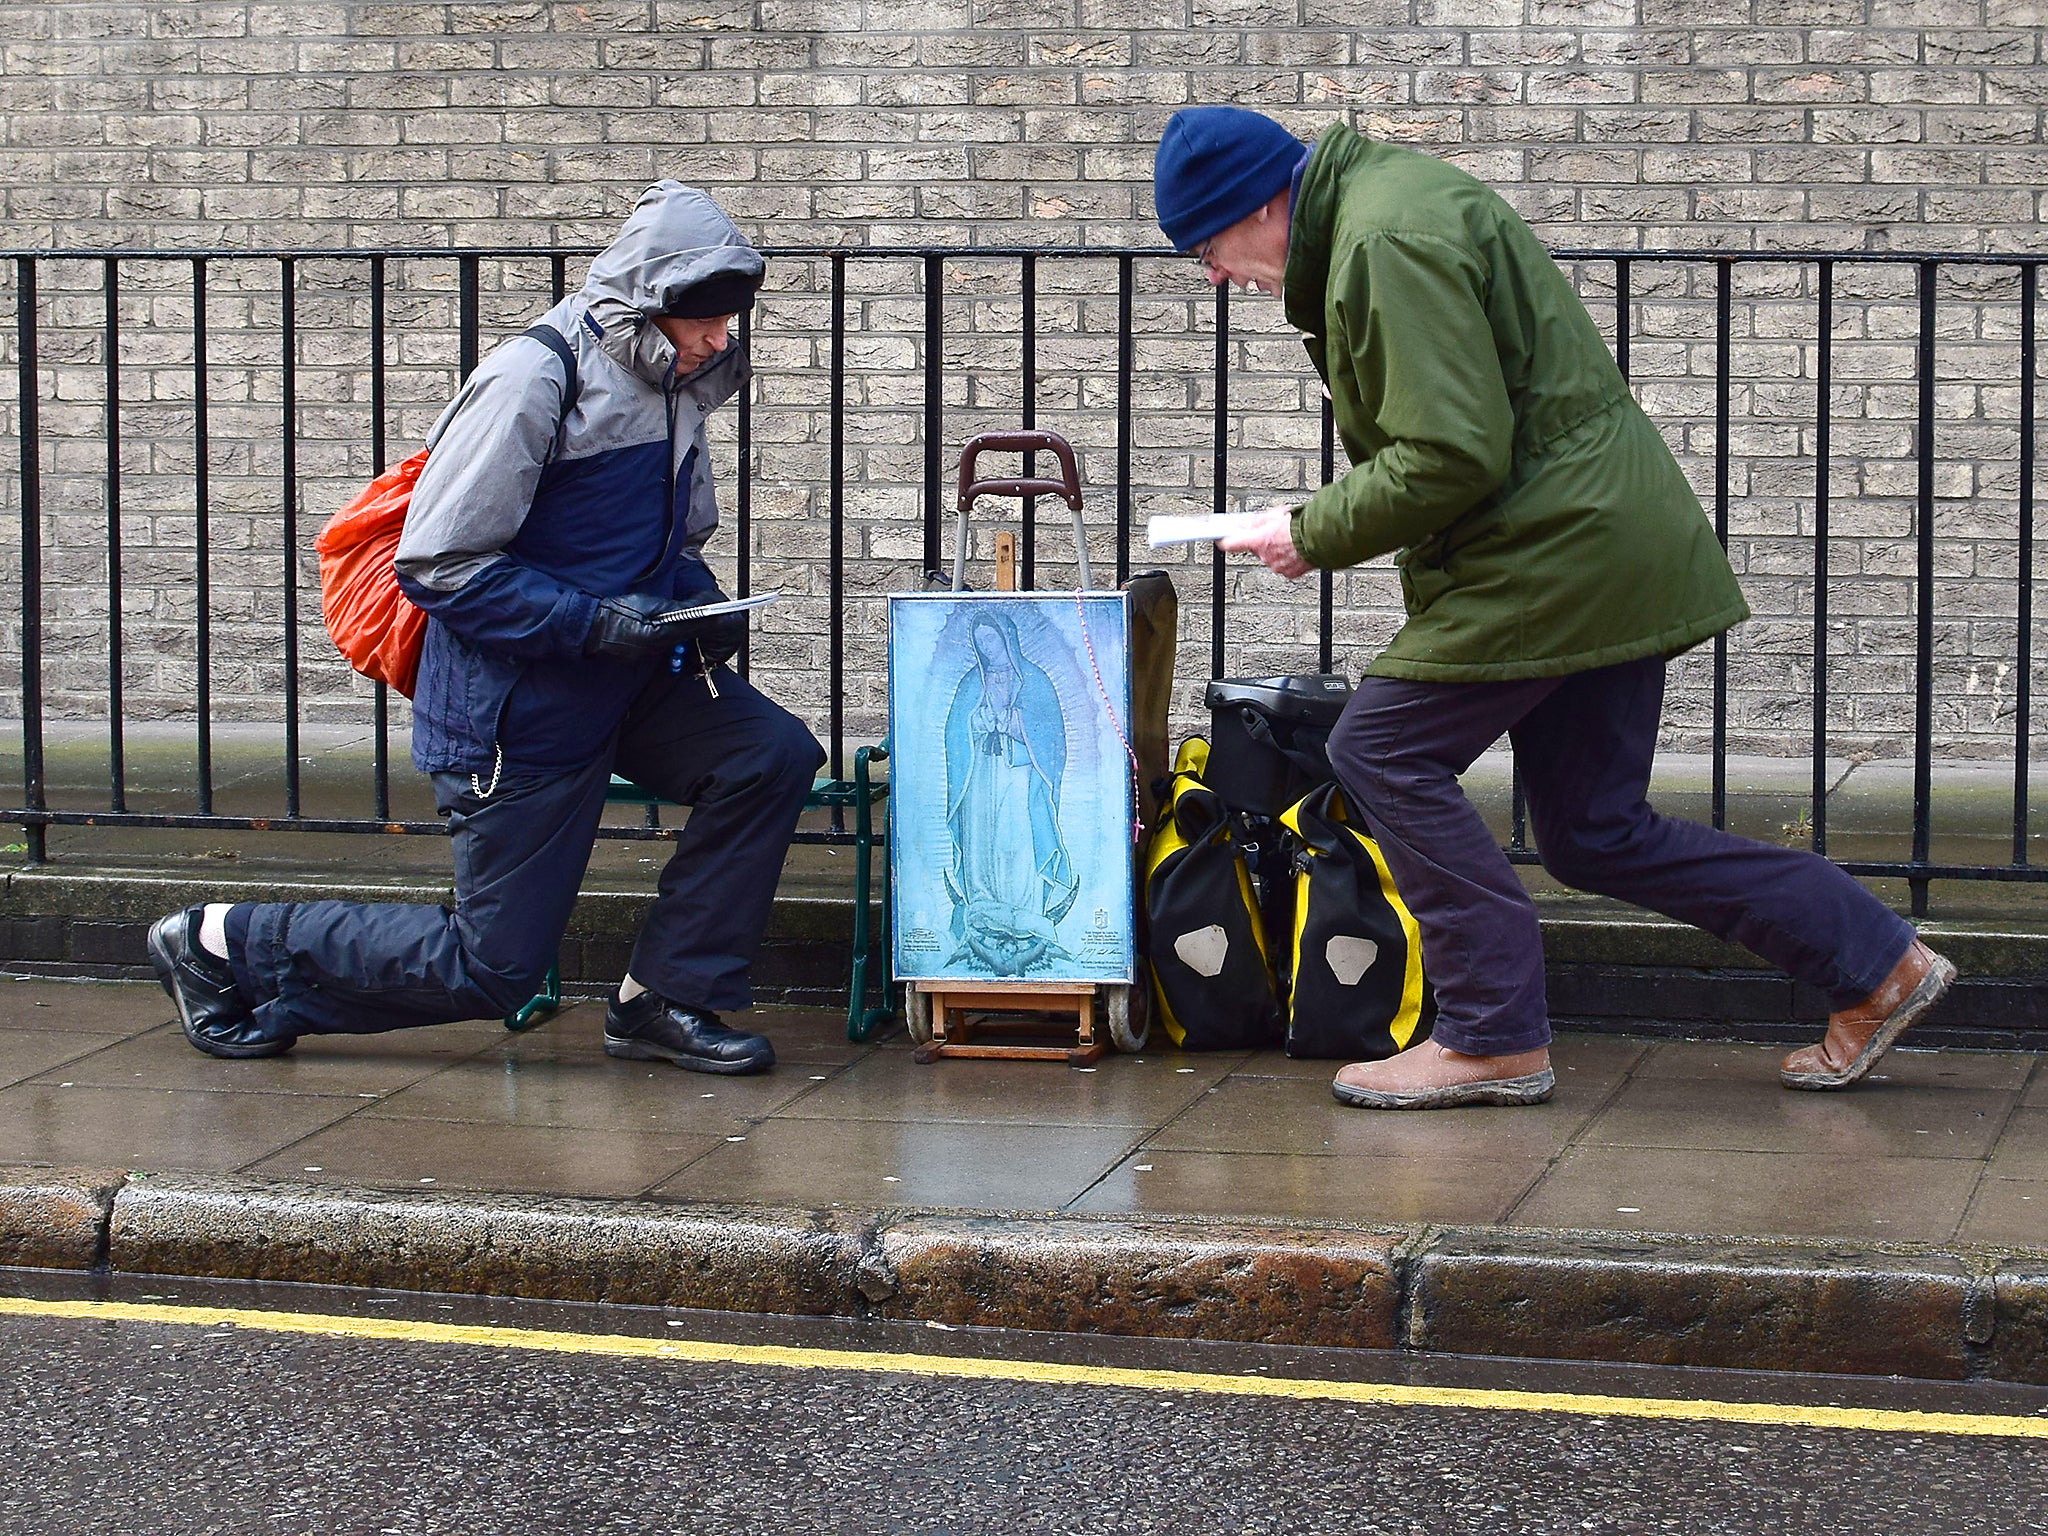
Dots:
{"x": 1261, "y": 730}
{"x": 558, "y": 344}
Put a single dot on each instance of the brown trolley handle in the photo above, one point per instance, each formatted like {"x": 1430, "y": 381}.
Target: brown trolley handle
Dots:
{"x": 1067, "y": 488}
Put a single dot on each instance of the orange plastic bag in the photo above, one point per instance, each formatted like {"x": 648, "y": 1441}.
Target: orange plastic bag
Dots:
{"x": 374, "y": 625}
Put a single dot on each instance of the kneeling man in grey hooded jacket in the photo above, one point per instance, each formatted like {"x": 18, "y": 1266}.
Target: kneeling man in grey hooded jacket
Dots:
{"x": 561, "y": 512}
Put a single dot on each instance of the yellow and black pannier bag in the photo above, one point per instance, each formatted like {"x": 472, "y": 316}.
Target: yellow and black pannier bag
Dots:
{"x": 1356, "y": 987}
{"x": 1203, "y": 941}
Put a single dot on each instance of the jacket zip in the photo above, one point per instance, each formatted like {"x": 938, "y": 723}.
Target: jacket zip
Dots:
{"x": 669, "y": 388}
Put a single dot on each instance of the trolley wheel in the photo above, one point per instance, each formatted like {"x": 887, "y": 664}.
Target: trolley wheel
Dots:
{"x": 917, "y": 1015}
{"x": 1130, "y": 1020}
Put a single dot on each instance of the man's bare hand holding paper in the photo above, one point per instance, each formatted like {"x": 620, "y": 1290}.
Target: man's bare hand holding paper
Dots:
{"x": 1268, "y": 534}
{"x": 1271, "y": 537}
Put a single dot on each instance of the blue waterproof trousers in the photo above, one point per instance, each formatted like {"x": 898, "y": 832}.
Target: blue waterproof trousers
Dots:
{"x": 743, "y": 765}
{"x": 1583, "y": 743}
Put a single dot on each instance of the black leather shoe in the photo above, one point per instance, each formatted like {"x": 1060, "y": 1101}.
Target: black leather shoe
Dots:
{"x": 215, "y": 1018}
{"x": 651, "y": 1028}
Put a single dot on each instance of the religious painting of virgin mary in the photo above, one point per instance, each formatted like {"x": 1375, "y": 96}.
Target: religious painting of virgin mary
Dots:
{"x": 1010, "y": 831}
{"x": 1011, "y": 877}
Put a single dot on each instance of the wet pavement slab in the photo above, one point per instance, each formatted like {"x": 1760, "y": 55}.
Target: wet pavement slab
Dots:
{"x": 1655, "y": 1136}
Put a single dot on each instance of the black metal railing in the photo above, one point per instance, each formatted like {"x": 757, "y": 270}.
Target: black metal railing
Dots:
{"x": 36, "y": 815}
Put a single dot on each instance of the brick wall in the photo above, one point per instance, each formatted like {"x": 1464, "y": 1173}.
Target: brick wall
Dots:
{"x": 1794, "y": 125}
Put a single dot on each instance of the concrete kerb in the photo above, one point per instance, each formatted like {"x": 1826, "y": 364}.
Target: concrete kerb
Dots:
{"x": 1701, "y": 1301}
{"x": 1150, "y": 1279}
{"x": 56, "y": 1218}
{"x": 1735, "y": 1303}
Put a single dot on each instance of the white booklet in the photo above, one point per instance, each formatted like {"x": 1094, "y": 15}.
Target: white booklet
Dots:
{"x": 1193, "y": 527}
{"x": 717, "y": 610}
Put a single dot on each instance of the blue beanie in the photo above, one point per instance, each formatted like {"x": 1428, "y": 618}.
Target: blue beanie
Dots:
{"x": 1217, "y": 165}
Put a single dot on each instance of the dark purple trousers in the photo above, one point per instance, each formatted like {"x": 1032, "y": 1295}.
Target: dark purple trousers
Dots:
{"x": 1583, "y": 744}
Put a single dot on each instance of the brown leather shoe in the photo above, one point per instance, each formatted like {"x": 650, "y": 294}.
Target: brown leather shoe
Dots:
{"x": 1857, "y": 1036}
{"x": 1432, "y": 1076}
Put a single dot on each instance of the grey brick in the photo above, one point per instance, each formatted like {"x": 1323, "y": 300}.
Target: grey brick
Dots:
{"x": 1696, "y": 85}
{"x": 101, "y": 95}
{"x": 491, "y": 18}
{"x": 153, "y": 130}
{"x": 807, "y": 89}
{"x": 1527, "y": 47}
{"x": 353, "y": 57}
{"x": 1581, "y": 86}
{"x": 2024, "y": 166}
{"x": 1583, "y": 13}
{"x": 1477, "y": 86}
{"x": 1639, "y": 125}
{"x": 1869, "y": 125}
{"x": 1777, "y": 46}
{"x": 448, "y": 127}
{"x": 2010, "y": 87}
{"x": 921, "y": 15}
{"x": 297, "y": 20}
{"x": 1469, "y": 13}
{"x": 704, "y": 15}
{"x": 438, "y": 54}
{"x": 1032, "y": 15}
{"x": 1750, "y": 124}
{"x": 866, "y": 51}
{"x": 1827, "y": 46}
{"x": 1703, "y": 166}
{"x": 1817, "y": 164}
{"x": 600, "y": 15}
{"x": 1988, "y": 126}
{"x": 373, "y": 20}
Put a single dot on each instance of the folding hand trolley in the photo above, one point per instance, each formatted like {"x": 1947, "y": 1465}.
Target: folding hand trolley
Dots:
{"x": 1014, "y": 784}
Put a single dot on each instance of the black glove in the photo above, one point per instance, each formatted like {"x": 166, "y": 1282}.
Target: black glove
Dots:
{"x": 717, "y": 639}
{"x": 624, "y": 627}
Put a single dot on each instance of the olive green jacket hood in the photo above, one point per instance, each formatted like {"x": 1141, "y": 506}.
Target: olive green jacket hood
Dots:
{"x": 1543, "y": 525}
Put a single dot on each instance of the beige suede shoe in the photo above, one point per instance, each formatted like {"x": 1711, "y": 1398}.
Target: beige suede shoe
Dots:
{"x": 1431, "y": 1076}
{"x": 1858, "y": 1036}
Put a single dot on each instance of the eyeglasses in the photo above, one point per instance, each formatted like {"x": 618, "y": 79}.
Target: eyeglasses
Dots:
{"x": 1201, "y": 253}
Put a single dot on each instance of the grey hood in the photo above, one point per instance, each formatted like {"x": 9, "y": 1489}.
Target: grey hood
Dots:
{"x": 675, "y": 238}
{"x": 513, "y": 417}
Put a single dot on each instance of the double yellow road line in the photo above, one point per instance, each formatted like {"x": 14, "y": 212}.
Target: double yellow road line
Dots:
{"x": 1034, "y": 1372}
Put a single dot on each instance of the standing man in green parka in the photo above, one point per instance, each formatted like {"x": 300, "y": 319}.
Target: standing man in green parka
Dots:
{"x": 1552, "y": 558}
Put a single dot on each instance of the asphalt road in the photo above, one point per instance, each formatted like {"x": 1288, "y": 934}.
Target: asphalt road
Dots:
{"x": 138, "y": 1410}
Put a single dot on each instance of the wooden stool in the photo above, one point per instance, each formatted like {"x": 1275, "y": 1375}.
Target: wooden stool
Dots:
{"x": 952, "y": 1035}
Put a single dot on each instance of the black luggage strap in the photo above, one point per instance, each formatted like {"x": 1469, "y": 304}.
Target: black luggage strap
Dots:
{"x": 1260, "y": 729}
